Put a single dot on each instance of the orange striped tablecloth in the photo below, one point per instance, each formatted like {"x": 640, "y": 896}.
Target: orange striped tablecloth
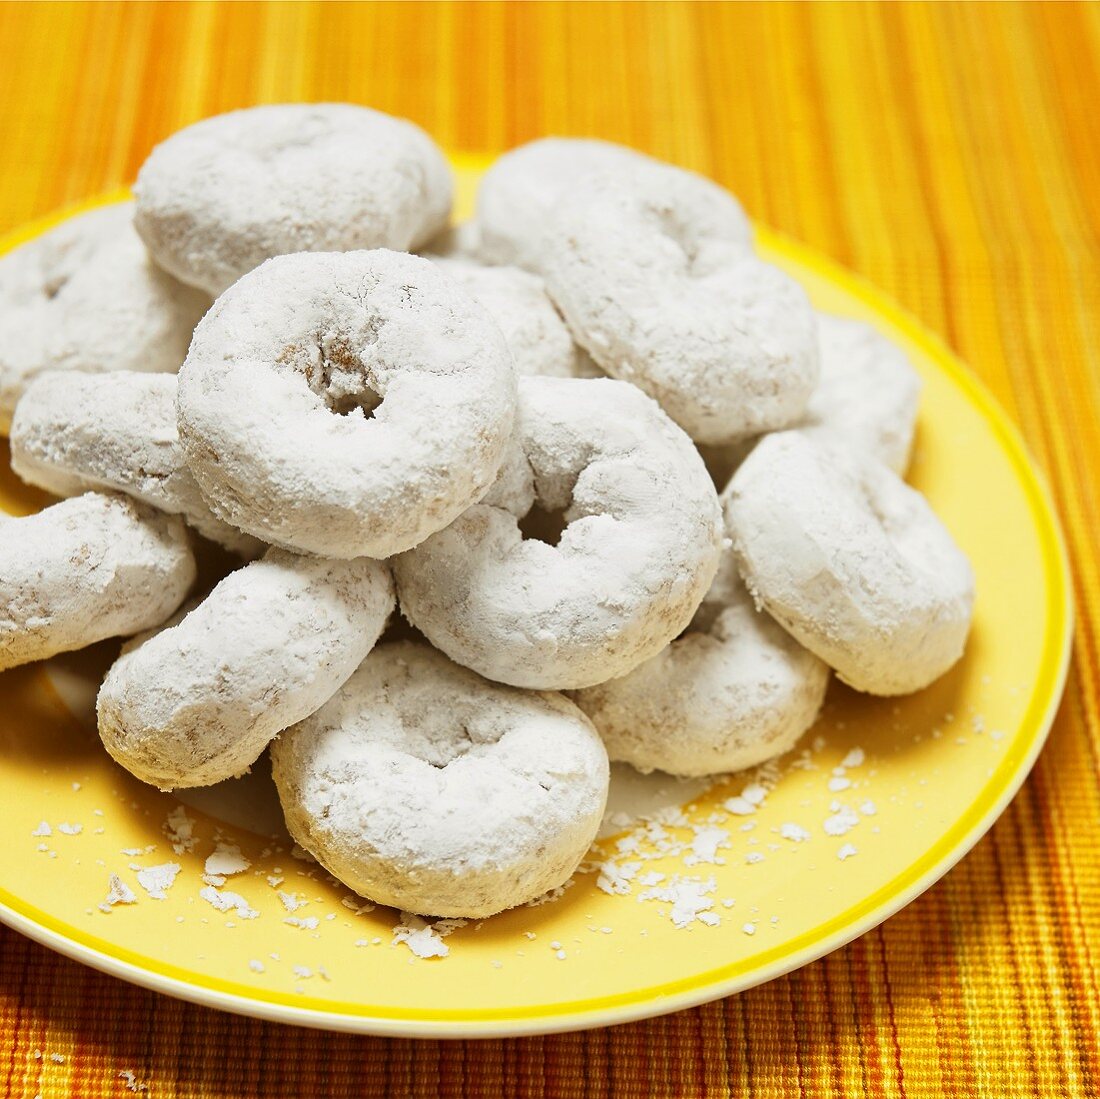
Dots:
{"x": 947, "y": 152}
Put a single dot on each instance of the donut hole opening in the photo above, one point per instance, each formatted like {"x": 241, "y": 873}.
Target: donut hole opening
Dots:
{"x": 345, "y": 404}
{"x": 338, "y": 375}
{"x": 441, "y": 751}
{"x": 543, "y": 524}
{"x": 672, "y": 226}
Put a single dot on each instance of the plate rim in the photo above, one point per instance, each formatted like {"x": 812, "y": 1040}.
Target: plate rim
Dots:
{"x": 871, "y": 911}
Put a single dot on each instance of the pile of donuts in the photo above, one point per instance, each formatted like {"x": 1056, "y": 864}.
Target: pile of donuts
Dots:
{"x": 511, "y": 430}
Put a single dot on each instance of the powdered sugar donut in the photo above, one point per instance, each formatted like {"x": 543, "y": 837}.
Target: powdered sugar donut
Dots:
{"x": 219, "y": 197}
{"x": 87, "y": 569}
{"x": 869, "y": 392}
{"x": 86, "y": 296}
{"x": 733, "y": 691}
{"x": 639, "y": 550}
{"x": 198, "y": 702}
{"x": 114, "y": 431}
{"x": 654, "y": 279}
{"x": 423, "y": 786}
{"x": 851, "y": 561}
{"x": 520, "y": 194}
{"x": 533, "y": 329}
{"x": 304, "y": 400}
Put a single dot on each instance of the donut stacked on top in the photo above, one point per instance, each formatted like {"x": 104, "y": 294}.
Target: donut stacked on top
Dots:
{"x": 507, "y": 435}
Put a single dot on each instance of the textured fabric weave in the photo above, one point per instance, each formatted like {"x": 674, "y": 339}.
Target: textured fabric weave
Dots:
{"x": 948, "y": 153}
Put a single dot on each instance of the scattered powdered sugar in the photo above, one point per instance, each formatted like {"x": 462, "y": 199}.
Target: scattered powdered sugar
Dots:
{"x": 131, "y": 1081}
{"x": 225, "y": 861}
{"x": 795, "y": 832}
{"x": 291, "y": 901}
{"x": 706, "y": 845}
{"x": 224, "y": 900}
{"x": 309, "y": 923}
{"x": 256, "y": 965}
{"x": 739, "y": 806}
{"x": 688, "y": 897}
{"x": 156, "y": 880}
{"x": 118, "y": 892}
{"x": 846, "y": 851}
{"x": 425, "y": 939}
{"x": 70, "y": 829}
{"x": 855, "y": 758}
{"x": 842, "y": 821}
{"x": 43, "y": 829}
{"x": 615, "y": 877}
{"x": 180, "y": 830}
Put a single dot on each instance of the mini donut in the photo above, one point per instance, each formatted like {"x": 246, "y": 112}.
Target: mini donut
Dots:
{"x": 423, "y": 786}
{"x": 733, "y": 691}
{"x": 113, "y": 431}
{"x": 198, "y": 702}
{"x": 533, "y": 329}
{"x": 218, "y": 198}
{"x": 86, "y": 569}
{"x": 868, "y": 395}
{"x": 520, "y": 194}
{"x": 851, "y": 561}
{"x": 86, "y": 296}
{"x": 639, "y": 550}
{"x": 345, "y": 404}
{"x": 655, "y": 281}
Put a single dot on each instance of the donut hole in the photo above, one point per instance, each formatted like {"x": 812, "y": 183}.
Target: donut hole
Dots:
{"x": 346, "y": 403}
{"x": 338, "y": 375}
{"x": 442, "y": 746}
{"x": 543, "y": 524}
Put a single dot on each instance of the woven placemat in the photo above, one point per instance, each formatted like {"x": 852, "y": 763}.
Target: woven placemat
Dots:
{"x": 946, "y": 152}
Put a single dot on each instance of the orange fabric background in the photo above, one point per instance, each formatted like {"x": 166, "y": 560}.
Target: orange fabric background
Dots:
{"x": 947, "y": 152}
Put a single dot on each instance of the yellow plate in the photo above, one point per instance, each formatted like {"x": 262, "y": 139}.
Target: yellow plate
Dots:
{"x": 938, "y": 769}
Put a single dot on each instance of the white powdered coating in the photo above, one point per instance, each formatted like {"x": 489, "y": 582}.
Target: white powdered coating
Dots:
{"x": 732, "y": 692}
{"x": 533, "y": 329}
{"x": 86, "y": 569}
{"x": 851, "y": 561}
{"x": 198, "y": 702}
{"x": 520, "y": 194}
{"x": 639, "y": 551}
{"x": 655, "y": 280}
{"x": 423, "y": 786}
{"x": 868, "y": 395}
{"x": 86, "y": 296}
{"x": 114, "y": 431}
{"x": 279, "y": 411}
{"x": 218, "y": 198}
